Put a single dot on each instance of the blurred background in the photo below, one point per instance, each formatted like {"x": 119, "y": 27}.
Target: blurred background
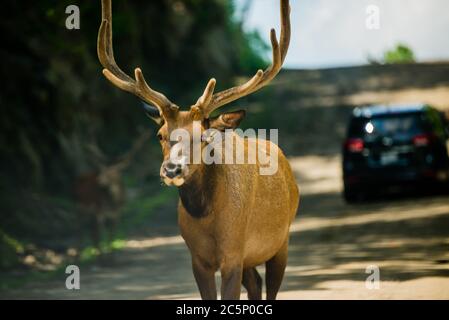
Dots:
{"x": 79, "y": 166}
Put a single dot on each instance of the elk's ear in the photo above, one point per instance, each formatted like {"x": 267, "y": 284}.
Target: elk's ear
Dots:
{"x": 153, "y": 113}
{"x": 230, "y": 120}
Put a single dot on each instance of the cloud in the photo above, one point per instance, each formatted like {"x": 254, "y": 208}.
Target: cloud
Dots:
{"x": 334, "y": 33}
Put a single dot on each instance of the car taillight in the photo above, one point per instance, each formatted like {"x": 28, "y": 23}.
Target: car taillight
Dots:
{"x": 422, "y": 140}
{"x": 354, "y": 145}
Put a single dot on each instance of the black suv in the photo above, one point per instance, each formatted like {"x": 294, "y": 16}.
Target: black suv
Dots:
{"x": 392, "y": 146}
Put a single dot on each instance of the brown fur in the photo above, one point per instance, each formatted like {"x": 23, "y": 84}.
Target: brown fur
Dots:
{"x": 234, "y": 219}
{"x": 231, "y": 217}
{"x": 245, "y": 224}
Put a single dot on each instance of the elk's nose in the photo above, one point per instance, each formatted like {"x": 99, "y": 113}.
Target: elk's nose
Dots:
{"x": 172, "y": 170}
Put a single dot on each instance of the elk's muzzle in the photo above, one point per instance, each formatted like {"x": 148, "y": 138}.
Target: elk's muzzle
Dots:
{"x": 173, "y": 172}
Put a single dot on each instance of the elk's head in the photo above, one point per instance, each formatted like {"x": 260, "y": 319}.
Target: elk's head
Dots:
{"x": 169, "y": 116}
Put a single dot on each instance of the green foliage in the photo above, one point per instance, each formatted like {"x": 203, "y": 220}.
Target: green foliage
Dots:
{"x": 139, "y": 210}
{"x": 250, "y": 55}
{"x": 55, "y": 88}
{"x": 400, "y": 54}
{"x": 55, "y": 101}
{"x": 9, "y": 249}
{"x": 250, "y": 46}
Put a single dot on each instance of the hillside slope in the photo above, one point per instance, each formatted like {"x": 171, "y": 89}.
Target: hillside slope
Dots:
{"x": 310, "y": 107}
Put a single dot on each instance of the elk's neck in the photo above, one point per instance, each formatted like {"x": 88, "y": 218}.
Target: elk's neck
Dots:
{"x": 196, "y": 194}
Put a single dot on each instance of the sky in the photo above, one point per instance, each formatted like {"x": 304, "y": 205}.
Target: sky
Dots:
{"x": 332, "y": 33}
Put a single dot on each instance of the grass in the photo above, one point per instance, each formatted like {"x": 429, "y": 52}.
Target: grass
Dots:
{"x": 140, "y": 210}
{"x": 10, "y": 248}
{"x": 135, "y": 213}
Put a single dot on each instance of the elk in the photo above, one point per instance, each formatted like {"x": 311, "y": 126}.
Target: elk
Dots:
{"x": 100, "y": 193}
{"x": 232, "y": 218}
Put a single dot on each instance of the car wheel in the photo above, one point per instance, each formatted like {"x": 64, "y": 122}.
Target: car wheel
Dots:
{"x": 350, "y": 195}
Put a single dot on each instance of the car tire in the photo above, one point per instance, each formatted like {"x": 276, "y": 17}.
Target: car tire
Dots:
{"x": 350, "y": 196}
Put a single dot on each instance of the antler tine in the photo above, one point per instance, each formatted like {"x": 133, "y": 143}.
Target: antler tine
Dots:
{"x": 116, "y": 76}
{"x": 207, "y": 96}
{"x": 104, "y": 48}
{"x": 262, "y": 78}
{"x": 285, "y": 29}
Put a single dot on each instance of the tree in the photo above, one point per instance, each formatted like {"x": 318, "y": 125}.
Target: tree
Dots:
{"x": 55, "y": 103}
{"x": 400, "y": 54}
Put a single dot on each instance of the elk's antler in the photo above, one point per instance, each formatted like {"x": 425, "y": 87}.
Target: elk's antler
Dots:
{"x": 137, "y": 86}
{"x": 210, "y": 101}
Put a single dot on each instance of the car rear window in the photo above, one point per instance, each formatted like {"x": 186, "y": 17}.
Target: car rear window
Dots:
{"x": 387, "y": 125}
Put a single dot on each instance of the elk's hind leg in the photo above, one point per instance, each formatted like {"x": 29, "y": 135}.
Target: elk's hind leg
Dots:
{"x": 253, "y": 283}
{"x": 275, "y": 268}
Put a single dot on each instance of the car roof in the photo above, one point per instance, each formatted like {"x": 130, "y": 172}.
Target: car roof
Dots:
{"x": 381, "y": 110}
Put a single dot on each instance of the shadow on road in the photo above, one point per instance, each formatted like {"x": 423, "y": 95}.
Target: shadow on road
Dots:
{"x": 331, "y": 246}
{"x": 407, "y": 240}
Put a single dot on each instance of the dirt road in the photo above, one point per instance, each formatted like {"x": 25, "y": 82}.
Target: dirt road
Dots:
{"x": 332, "y": 244}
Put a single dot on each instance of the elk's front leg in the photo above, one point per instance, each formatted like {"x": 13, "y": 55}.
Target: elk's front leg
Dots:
{"x": 231, "y": 282}
{"x": 205, "y": 279}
